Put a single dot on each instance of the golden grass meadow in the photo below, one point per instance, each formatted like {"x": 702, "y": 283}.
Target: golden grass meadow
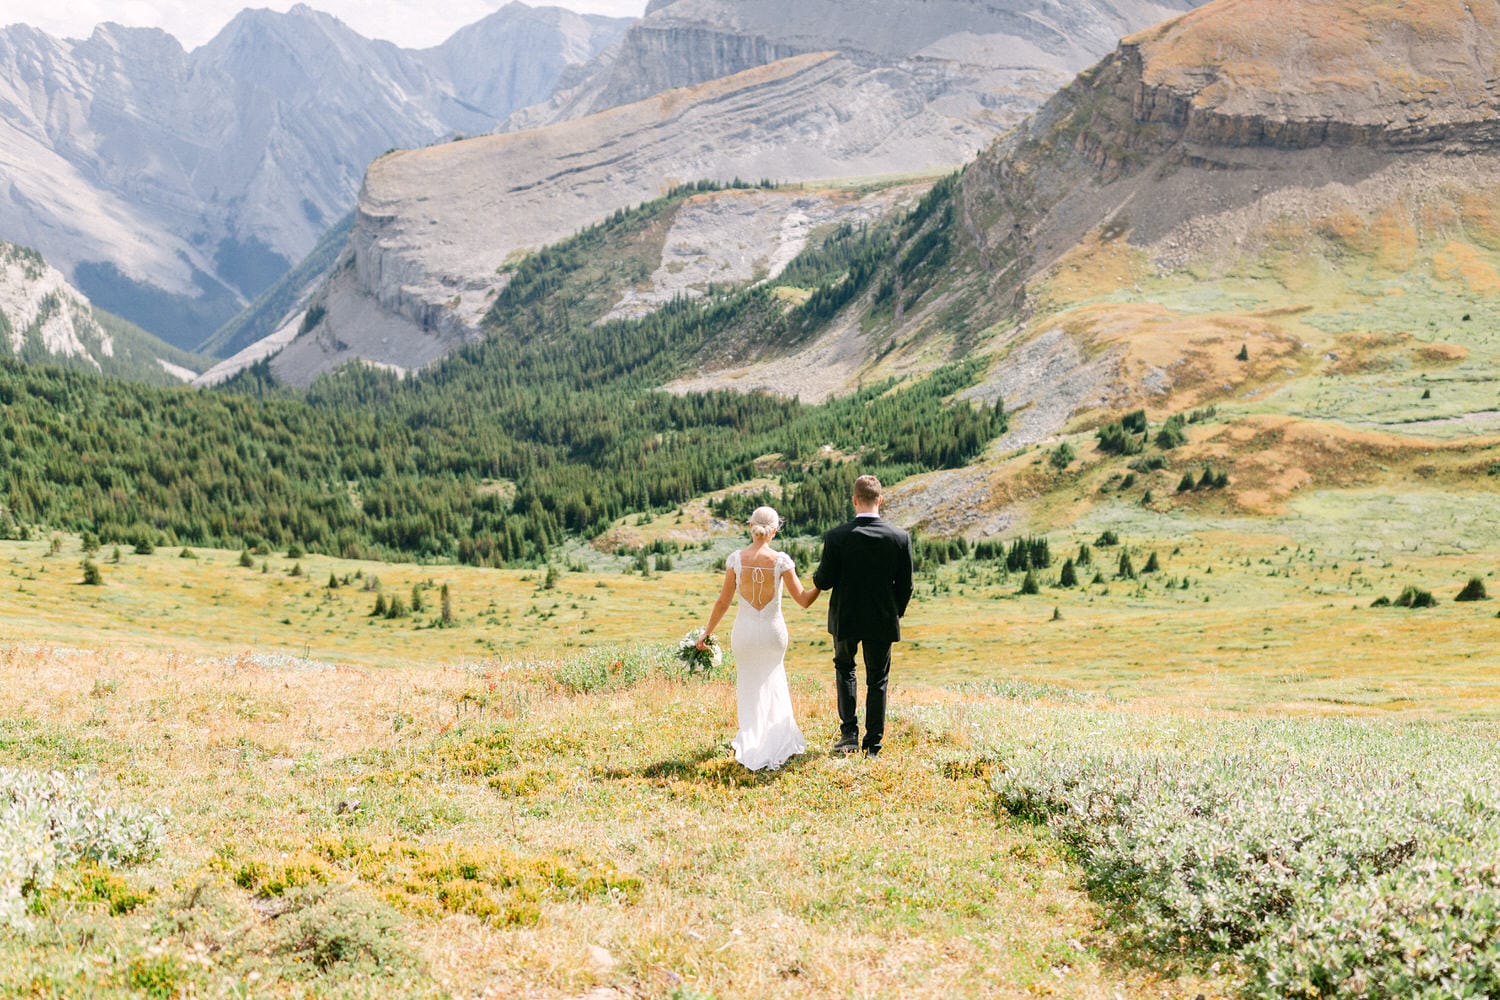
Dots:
{"x": 535, "y": 800}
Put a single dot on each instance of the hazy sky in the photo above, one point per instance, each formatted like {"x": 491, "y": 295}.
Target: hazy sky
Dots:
{"x": 409, "y": 23}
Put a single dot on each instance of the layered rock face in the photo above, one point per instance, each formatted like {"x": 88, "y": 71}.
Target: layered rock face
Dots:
{"x": 815, "y": 90}
{"x": 995, "y": 58}
{"x": 147, "y": 171}
{"x": 1238, "y": 108}
{"x": 435, "y": 225}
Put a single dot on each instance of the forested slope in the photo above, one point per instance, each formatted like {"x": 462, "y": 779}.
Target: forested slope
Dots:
{"x": 550, "y": 427}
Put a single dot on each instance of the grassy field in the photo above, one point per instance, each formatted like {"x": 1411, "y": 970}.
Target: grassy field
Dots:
{"x": 534, "y": 801}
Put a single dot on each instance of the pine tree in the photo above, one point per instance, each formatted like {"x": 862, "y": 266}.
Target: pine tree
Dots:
{"x": 447, "y": 607}
{"x": 1068, "y": 577}
{"x": 91, "y": 575}
{"x": 1188, "y": 483}
{"x": 1030, "y": 585}
{"x": 333, "y": 581}
{"x": 1153, "y": 564}
{"x": 1127, "y": 568}
{"x": 245, "y": 559}
{"x": 1244, "y": 354}
{"x": 379, "y": 610}
{"x": 416, "y": 598}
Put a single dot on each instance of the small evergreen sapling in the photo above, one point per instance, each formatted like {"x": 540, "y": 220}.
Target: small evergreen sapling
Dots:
{"x": 1473, "y": 591}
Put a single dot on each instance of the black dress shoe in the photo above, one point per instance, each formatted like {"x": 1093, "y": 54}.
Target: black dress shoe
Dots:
{"x": 846, "y": 746}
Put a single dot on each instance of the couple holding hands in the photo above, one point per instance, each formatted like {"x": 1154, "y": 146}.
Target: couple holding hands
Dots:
{"x": 867, "y": 568}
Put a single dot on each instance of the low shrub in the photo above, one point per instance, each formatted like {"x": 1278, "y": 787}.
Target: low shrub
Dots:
{"x": 50, "y": 821}
{"x": 608, "y": 669}
{"x": 326, "y": 928}
{"x": 1328, "y": 858}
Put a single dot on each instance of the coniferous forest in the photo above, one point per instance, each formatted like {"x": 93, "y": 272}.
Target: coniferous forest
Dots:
{"x": 549, "y": 428}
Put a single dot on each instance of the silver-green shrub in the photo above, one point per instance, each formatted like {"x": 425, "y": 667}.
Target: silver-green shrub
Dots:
{"x": 1276, "y": 841}
{"x": 49, "y": 820}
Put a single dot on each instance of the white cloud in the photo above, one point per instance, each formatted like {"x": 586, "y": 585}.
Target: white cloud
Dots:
{"x": 410, "y": 23}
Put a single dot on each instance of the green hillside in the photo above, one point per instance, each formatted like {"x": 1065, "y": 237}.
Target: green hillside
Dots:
{"x": 365, "y": 463}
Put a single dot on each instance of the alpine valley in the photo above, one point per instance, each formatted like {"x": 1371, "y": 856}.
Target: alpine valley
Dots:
{"x": 1172, "y": 330}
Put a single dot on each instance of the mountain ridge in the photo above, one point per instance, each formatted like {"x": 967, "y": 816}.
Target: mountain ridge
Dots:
{"x": 174, "y": 186}
{"x": 424, "y": 261}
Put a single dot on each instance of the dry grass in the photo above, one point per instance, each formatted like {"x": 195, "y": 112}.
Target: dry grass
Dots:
{"x": 833, "y": 877}
{"x": 533, "y": 842}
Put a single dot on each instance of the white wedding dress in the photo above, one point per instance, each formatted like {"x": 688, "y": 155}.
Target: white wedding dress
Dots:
{"x": 768, "y": 733}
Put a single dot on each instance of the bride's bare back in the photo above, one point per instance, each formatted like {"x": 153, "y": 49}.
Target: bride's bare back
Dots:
{"x": 757, "y": 582}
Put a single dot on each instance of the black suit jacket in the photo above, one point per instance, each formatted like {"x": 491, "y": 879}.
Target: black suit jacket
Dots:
{"x": 866, "y": 565}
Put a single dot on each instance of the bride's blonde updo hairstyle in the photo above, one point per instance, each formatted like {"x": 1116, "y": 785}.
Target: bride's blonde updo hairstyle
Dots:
{"x": 763, "y": 522}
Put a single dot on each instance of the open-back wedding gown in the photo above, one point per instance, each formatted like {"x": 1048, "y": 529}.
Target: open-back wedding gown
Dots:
{"x": 768, "y": 733}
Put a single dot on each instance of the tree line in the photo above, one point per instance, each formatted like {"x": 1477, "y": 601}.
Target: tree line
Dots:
{"x": 548, "y": 428}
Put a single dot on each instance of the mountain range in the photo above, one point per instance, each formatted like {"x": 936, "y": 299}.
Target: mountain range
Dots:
{"x": 789, "y": 92}
{"x": 172, "y": 187}
{"x": 1254, "y": 247}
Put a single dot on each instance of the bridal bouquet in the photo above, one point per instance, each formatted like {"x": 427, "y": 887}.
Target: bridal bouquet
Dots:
{"x": 699, "y": 660}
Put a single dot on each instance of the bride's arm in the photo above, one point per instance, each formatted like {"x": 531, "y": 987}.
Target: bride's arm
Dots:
{"x": 803, "y": 596}
{"x": 726, "y": 594}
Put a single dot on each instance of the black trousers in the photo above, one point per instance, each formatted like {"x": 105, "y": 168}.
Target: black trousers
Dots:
{"x": 877, "y": 671}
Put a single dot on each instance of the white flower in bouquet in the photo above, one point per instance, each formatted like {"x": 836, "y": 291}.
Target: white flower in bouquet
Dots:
{"x": 699, "y": 660}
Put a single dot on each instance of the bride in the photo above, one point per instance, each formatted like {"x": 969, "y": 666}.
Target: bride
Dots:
{"x": 768, "y": 733}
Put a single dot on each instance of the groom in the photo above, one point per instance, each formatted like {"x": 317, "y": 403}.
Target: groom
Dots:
{"x": 867, "y": 563}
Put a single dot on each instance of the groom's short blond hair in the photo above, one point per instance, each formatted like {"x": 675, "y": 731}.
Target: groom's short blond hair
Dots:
{"x": 867, "y": 489}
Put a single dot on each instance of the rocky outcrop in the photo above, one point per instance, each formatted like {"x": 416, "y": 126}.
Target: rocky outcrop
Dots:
{"x": 176, "y": 185}
{"x": 1226, "y": 106}
{"x": 45, "y": 319}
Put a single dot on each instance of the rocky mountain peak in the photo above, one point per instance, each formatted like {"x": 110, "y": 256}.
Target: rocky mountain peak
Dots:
{"x": 175, "y": 186}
